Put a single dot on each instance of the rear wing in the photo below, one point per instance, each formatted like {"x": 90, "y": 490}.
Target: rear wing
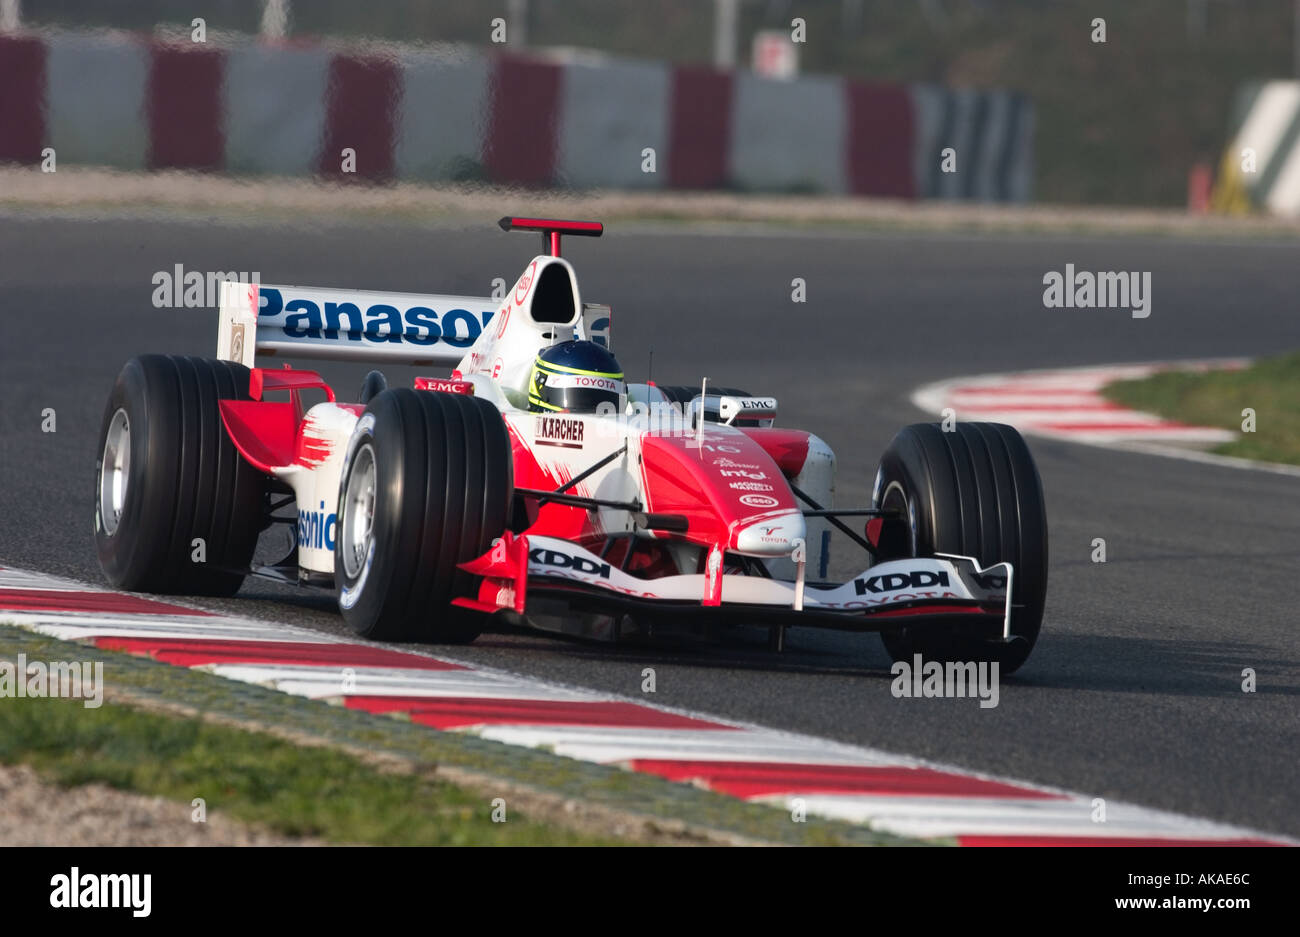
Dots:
{"x": 351, "y": 325}
{"x": 399, "y": 328}
{"x": 348, "y": 325}
{"x": 551, "y": 230}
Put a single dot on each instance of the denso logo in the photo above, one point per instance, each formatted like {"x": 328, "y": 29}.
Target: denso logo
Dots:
{"x": 891, "y": 582}
{"x": 418, "y": 325}
{"x": 316, "y": 529}
{"x": 578, "y": 564}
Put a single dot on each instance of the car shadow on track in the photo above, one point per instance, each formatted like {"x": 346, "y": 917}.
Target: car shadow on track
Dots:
{"x": 1159, "y": 666}
{"x": 1091, "y": 662}
{"x": 743, "y": 648}
{"x": 806, "y": 651}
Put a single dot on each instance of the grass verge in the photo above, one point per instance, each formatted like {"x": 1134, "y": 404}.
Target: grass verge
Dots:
{"x": 310, "y": 768}
{"x": 256, "y": 778}
{"x": 1270, "y": 387}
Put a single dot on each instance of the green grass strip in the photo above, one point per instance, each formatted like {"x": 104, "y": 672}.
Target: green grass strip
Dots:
{"x": 255, "y": 778}
{"x": 329, "y": 793}
{"x": 1270, "y": 387}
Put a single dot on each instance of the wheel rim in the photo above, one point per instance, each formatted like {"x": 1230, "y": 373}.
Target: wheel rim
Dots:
{"x": 358, "y": 512}
{"x": 896, "y": 499}
{"x": 115, "y": 471}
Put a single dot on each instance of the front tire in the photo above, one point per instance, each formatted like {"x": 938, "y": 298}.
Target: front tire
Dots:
{"x": 973, "y": 492}
{"x": 177, "y": 508}
{"x": 426, "y": 485}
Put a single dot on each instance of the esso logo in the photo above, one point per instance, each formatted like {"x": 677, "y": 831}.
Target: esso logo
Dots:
{"x": 525, "y": 281}
{"x": 758, "y": 501}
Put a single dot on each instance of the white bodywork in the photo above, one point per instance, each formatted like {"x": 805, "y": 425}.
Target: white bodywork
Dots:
{"x": 491, "y": 345}
{"x": 316, "y": 486}
{"x": 884, "y": 584}
{"x": 400, "y": 328}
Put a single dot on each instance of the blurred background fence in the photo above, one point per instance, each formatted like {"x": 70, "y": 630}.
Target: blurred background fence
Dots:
{"x": 1031, "y": 103}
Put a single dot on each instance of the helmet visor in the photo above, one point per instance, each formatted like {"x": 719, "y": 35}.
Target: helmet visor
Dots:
{"x": 576, "y": 393}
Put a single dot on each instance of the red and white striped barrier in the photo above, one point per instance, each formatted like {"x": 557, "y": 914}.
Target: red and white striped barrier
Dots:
{"x": 893, "y": 793}
{"x": 1067, "y": 404}
{"x": 133, "y": 102}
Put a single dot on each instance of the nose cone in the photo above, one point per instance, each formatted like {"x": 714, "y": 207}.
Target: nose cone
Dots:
{"x": 771, "y": 536}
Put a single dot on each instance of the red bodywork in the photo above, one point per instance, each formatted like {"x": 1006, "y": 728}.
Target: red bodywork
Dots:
{"x": 551, "y": 229}
{"x": 699, "y": 482}
{"x": 720, "y": 485}
{"x": 274, "y": 434}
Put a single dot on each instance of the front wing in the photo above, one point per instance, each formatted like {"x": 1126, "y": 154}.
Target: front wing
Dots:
{"x": 532, "y": 573}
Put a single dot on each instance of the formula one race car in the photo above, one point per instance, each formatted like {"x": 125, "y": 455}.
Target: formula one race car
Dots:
{"x": 536, "y": 484}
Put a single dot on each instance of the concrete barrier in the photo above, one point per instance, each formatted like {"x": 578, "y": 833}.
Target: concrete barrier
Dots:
{"x": 457, "y": 114}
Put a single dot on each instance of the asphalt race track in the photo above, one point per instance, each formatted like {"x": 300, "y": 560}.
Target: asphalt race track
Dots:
{"x": 1134, "y": 690}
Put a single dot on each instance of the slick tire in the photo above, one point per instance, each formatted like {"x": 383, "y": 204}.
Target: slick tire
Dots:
{"x": 973, "y": 492}
{"x": 426, "y": 485}
{"x": 177, "y": 508}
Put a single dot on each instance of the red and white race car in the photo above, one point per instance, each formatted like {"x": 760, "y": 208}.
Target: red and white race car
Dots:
{"x": 427, "y": 508}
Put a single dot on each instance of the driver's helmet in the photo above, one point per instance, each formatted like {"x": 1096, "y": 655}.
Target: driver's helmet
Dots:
{"x": 576, "y": 377}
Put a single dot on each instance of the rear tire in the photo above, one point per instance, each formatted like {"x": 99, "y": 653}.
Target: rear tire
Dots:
{"x": 169, "y": 475}
{"x": 426, "y": 485}
{"x": 974, "y": 492}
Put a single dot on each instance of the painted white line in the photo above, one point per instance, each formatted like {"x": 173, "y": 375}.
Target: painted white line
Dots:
{"x": 1212, "y": 458}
